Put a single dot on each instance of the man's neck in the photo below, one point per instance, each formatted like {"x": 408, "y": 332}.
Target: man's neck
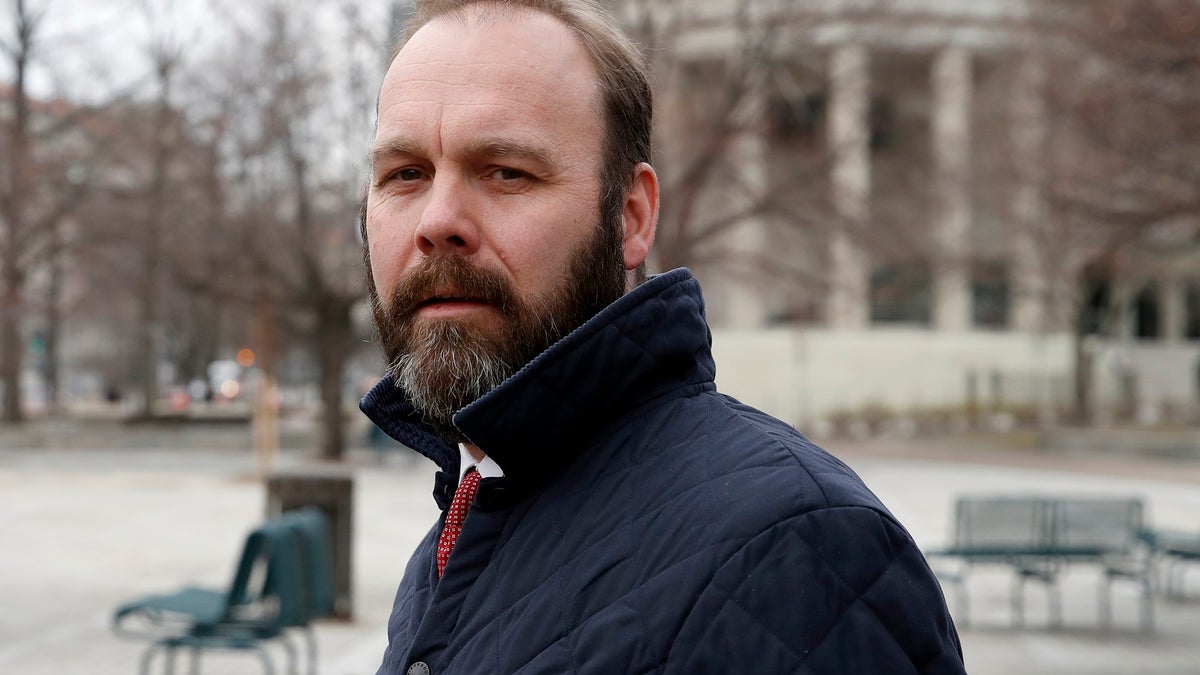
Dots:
{"x": 474, "y": 451}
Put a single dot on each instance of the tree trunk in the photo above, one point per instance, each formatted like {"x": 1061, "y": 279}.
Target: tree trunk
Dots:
{"x": 11, "y": 349}
{"x": 147, "y": 347}
{"x": 148, "y": 344}
{"x": 50, "y": 355}
{"x": 333, "y": 336}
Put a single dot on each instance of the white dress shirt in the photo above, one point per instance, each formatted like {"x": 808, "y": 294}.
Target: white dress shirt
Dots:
{"x": 487, "y": 468}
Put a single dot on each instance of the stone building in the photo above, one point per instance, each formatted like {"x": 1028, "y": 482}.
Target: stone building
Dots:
{"x": 885, "y": 173}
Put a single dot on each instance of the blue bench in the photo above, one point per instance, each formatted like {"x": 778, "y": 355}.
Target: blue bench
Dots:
{"x": 1039, "y": 537}
{"x": 283, "y": 582}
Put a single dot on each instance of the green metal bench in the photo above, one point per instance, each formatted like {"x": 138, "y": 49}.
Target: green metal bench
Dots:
{"x": 1039, "y": 537}
{"x": 1176, "y": 551}
{"x": 283, "y": 581}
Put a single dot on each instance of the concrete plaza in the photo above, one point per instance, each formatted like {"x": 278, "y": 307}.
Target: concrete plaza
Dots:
{"x": 83, "y": 530}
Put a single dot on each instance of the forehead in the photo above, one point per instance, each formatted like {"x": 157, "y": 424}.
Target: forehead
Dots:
{"x": 492, "y": 68}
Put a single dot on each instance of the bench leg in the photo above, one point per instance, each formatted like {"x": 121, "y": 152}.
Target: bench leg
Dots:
{"x": 1181, "y": 565}
{"x": 1146, "y": 584}
{"x": 1105, "y": 601}
{"x": 1049, "y": 579}
{"x": 148, "y": 657}
{"x": 194, "y": 663}
{"x": 1177, "y": 585}
{"x": 1147, "y": 604}
{"x": 170, "y": 666}
{"x": 266, "y": 660}
{"x": 290, "y": 650}
{"x": 962, "y": 602}
{"x": 310, "y": 640}
{"x": 1054, "y": 599}
{"x": 1166, "y": 577}
{"x": 1154, "y": 572}
{"x": 1018, "y": 601}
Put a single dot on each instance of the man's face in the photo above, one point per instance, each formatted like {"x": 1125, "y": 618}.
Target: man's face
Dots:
{"x": 482, "y": 213}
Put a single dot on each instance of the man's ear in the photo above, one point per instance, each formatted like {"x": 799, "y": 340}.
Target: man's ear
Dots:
{"x": 640, "y": 215}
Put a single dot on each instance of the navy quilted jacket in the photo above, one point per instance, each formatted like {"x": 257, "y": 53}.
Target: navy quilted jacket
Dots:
{"x": 648, "y": 524}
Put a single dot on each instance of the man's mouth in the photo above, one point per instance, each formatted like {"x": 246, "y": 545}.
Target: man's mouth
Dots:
{"x": 444, "y": 298}
{"x": 450, "y": 301}
{"x": 451, "y": 295}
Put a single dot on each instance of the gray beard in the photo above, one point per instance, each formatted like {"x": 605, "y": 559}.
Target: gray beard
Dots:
{"x": 449, "y": 365}
{"x": 475, "y": 371}
{"x": 445, "y": 365}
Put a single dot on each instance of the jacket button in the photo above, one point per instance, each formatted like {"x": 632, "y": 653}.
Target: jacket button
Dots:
{"x": 418, "y": 668}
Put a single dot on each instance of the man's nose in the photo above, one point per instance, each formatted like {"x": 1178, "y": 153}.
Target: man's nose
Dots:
{"x": 447, "y": 222}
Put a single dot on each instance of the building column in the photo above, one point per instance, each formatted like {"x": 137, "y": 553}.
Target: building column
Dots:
{"x": 952, "y": 82}
{"x": 1172, "y": 300}
{"x": 850, "y": 136}
{"x": 748, "y": 301}
{"x": 1028, "y": 283}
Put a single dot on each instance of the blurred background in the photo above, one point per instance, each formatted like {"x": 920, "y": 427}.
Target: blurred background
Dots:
{"x": 925, "y": 229}
{"x": 922, "y": 215}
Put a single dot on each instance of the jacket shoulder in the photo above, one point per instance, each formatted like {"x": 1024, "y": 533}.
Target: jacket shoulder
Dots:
{"x": 768, "y": 462}
{"x": 833, "y": 590}
{"x": 822, "y": 577}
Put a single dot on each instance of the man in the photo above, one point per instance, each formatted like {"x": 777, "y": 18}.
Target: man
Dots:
{"x": 605, "y": 509}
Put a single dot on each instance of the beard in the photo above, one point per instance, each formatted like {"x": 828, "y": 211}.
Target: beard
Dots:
{"x": 443, "y": 365}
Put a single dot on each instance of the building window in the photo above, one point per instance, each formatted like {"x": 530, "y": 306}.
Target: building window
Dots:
{"x": 901, "y": 293}
{"x": 805, "y": 312}
{"x": 882, "y": 119}
{"x": 1097, "y": 296}
{"x": 1145, "y": 314}
{"x": 989, "y": 294}
{"x": 796, "y": 119}
{"x": 1191, "y": 316}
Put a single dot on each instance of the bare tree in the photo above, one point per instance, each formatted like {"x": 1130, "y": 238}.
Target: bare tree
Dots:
{"x": 1123, "y": 174}
{"x": 164, "y": 55}
{"x": 746, "y": 154}
{"x": 43, "y": 180}
{"x": 291, "y": 201}
{"x": 18, "y": 230}
{"x": 710, "y": 104}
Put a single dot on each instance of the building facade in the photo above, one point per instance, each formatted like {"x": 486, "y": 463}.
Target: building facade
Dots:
{"x": 887, "y": 168}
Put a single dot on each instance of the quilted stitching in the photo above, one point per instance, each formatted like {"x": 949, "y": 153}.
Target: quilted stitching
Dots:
{"x": 855, "y": 588}
{"x": 859, "y": 596}
{"x": 733, "y": 544}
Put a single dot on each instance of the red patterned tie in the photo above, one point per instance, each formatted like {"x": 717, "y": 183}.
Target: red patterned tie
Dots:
{"x": 463, "y": 496}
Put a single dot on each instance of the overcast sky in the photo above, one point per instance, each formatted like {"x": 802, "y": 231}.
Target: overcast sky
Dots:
{"x": 90, "y": 48}
{"x": 87, "y": 47}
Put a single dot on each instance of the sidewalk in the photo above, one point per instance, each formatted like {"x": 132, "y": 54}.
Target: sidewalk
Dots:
{"x": 920, "y": 492}
{"x": 85, "y": 530}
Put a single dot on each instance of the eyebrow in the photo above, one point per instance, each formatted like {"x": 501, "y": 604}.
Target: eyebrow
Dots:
{"x": 542, "y": 155}
{"x": 503, "y": 147}
{"x": 382, "y": 151}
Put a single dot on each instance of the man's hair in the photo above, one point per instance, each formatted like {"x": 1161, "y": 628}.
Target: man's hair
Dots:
{"x": 626, "y": 101}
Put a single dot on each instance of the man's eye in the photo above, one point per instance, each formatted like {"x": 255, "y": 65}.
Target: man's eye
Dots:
{"x": 504, "y": 173}
{"x": 408, "y": 174}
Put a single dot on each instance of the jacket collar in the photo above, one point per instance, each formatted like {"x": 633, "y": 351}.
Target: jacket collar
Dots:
{"x": 651, "y": 341}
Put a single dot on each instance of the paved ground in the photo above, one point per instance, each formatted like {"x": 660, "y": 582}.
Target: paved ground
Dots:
{"x": 83, "y": 530}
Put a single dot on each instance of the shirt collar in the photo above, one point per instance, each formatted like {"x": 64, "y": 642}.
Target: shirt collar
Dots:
{"x": 487, "y": 468}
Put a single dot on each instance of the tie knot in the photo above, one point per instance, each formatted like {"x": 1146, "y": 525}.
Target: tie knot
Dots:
{"x": 467, "y": 487}
{"x": 455, "y": 515}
